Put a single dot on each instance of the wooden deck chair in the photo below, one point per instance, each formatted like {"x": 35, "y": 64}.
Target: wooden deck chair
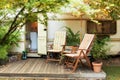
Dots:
{"x": 58, "y": 46}
{"x": 74, "y": 58}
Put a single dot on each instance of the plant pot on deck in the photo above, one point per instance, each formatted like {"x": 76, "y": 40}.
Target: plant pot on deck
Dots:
{"x": 19, "y": 56}
{"x": 74, "y": 48}
{"x": 97, "y": 66}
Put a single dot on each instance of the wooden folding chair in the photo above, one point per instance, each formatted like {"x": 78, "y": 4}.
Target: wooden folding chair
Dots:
{"x": 58, "y": 46}
{"x": 73, "y": 59}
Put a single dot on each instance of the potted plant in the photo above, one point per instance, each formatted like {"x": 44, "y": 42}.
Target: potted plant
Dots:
{"x": 99, "y": 51}
{"x": 73, "y": 39}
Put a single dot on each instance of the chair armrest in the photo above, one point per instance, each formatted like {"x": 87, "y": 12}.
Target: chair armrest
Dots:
{"x": 50, "y": 46}
{"x": 87, "y": 50}
{"x": 84, "y": 49}
{"x": 63, "y": 47}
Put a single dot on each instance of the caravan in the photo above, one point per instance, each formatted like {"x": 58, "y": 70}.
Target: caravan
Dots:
{"x": 36, "y": 42}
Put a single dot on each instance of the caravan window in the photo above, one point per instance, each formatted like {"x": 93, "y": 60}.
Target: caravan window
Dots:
{"x": 104, "y": 27}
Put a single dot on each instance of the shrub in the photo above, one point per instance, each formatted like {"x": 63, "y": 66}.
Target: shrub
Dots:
{"x": 100, "y": 48}
{"x": 73, "y": 39}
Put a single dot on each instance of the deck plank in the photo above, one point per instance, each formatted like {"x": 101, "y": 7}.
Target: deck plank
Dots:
{"x": 37, "y": 67}
{"x": 17, "y": 66}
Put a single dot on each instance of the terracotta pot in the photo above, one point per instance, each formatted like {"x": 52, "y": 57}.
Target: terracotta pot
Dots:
{"x": 19, "y": 56}
{"x": 74, "y": 49}
{"x": 97, "y": 66}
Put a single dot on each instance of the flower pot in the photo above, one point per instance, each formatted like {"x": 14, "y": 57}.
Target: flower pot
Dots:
{"x": 97, "y": 66}
{"x": 19, "y": 56}
{"x": 74, "y": 49}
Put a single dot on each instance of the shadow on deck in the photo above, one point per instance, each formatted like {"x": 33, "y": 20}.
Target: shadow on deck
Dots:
{"x": 38, "y": 68}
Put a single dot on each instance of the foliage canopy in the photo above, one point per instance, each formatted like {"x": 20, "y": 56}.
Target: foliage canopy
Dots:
{"x": 14, "y": 14}
{"x": 96, "y": 8}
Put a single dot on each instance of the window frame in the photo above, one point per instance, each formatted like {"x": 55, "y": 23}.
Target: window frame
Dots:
{"x": 111, "y": 32}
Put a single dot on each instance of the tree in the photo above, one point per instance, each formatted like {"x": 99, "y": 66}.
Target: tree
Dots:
{"x": 96, "y": 8}
{"x": 108, "y": 8}
{"x": 15, "y": 12}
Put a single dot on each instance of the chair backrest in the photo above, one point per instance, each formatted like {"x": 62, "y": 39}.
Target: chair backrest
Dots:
{"x": 59, "y": 40}
{"x": 86, "y": 42}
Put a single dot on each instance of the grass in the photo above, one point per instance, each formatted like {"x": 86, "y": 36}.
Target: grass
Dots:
{"x": 113, "y": 72}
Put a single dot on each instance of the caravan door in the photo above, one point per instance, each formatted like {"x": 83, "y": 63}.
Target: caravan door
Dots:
{"x": 42, "y": 39}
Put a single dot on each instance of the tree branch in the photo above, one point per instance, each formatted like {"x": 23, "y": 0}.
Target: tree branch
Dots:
{"x": 11, "y": 29}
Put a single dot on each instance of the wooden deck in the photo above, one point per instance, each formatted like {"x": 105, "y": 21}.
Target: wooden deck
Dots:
{"x": 38, "y": 68}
